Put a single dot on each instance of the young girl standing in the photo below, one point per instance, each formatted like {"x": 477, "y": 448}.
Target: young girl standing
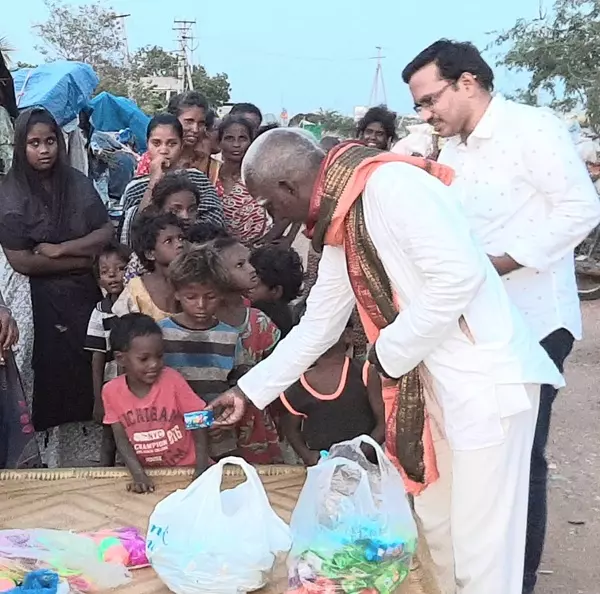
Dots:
{"x": 258, "y": 439}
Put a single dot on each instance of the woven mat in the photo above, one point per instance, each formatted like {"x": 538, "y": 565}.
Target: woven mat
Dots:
{"x": 90, "y": 499}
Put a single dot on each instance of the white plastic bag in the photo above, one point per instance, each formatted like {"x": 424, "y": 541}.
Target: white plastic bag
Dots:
{"x": 352, "y": 527}
{"x": 203, "y": 540}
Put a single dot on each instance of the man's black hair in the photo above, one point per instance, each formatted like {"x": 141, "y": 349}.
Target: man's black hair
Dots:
{"x": 113, "y": 247}
{"x": 130, "y": 326}
{"x": 453, "y": 59}
{"x": 145, "y": 231}
{"x": 277, "y": 267}
{"x": 382, "y": 115}
{"x": 242, "y": 108}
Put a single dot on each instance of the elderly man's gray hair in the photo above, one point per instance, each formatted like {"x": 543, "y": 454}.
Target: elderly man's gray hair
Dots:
{"x": 283, "y": 153}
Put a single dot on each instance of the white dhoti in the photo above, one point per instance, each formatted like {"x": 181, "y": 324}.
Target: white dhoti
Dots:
{"x": 474, "y": 517}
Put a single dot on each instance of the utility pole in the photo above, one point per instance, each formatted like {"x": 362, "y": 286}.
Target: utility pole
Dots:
{"x": 185, "y": 49}
{"x": 122, "y": 32}
{"x": 377, "y": 80}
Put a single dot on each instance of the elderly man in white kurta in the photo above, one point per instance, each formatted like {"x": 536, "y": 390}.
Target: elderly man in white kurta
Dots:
{"x": 455, "y": 317}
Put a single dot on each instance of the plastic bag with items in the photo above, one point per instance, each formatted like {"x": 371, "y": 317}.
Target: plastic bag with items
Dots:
{"x": 353, "y": 530}
{"x": 74, "y": 557}
{"x": 202, "y": 539}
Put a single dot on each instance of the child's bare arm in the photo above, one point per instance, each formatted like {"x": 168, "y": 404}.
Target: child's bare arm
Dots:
{"x": 201, "y": 445}
{"x": 376, "y": 402}
{"x": 98, "y": 363}
{"x": 142, "y": 483}
{"x": 291, "y": 428}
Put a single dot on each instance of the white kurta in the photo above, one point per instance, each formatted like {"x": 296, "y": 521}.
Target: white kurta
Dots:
{"x": 439, "y": 273}
{"x": 474, "y": 518}
{"x": 527, "y": 193}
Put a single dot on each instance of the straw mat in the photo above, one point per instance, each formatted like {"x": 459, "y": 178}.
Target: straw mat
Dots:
{"x": 94, "y": 498}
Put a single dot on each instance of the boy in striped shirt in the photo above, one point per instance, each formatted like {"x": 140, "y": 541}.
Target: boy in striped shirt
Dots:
{"x": 200, "y": 347}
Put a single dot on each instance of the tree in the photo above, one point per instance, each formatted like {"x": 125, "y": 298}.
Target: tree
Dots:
{"x": 6, "y": 49}
{"x": 155, "y": 61}
{"x": 336, "y": 123}
{"x": 90, "y": 33}
{"x": 87, "y": 33}
{"x": 560, "y": 50}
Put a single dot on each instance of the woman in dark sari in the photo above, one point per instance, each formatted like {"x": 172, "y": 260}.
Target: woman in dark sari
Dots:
{"x": 52, "y": 223}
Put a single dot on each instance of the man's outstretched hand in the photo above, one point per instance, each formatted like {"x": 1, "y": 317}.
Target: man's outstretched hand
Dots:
{"x": 228, "y": 408}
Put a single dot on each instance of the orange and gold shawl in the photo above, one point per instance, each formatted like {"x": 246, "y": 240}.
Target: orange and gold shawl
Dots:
{"x": 337, "y": 218}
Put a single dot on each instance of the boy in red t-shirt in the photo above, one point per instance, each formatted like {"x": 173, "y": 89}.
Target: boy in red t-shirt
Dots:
{"x": 145, "y": 407}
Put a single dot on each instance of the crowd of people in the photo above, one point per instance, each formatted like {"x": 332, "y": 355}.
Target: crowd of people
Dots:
{"x": 460, "y": 271}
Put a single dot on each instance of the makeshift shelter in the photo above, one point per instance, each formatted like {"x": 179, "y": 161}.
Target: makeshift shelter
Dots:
{"x": 112, "y": 114}
{"x": 62, "y": 87}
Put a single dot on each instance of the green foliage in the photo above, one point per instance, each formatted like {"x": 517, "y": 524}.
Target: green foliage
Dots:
{"x": 561, "y": 52}
{"x": 336, "y": 123}
{"x": 90, "y": 33}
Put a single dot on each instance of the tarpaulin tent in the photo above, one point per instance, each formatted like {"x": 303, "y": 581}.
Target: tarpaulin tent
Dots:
{"x": 62, "y": 87}
{"x": 115, "y": 113}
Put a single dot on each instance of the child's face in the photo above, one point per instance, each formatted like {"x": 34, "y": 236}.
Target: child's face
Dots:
{"x": 143, "y": 362}
{"x": 264, "y": 293}
{"x": 111, "y": 273}
{"x": 200, "y": 302}
{"x": 169, "y": 244}
{"x": 182, "y": 204}
{"x": 236, "y": 260}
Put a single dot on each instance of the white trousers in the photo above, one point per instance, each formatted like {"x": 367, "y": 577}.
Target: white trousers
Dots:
{"x": 474, "y": 517}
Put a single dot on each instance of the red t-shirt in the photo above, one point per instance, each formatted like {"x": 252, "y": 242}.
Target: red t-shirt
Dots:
{"x": 154, "y": 424}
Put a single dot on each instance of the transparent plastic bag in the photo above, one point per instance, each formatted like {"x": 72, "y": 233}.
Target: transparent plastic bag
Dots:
{"x": 352, "y": 528}
{"x": 73, "y": 557}
{"x": 202, "y": 539}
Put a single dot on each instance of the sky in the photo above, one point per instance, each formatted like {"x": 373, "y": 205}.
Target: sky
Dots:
{"x": 301, "y": 55}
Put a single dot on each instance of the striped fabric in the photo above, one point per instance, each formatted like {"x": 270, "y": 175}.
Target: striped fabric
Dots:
{"x": 210, "y": 209}
{"x": 98, "y": 336}
{"x": 205, "y": 358}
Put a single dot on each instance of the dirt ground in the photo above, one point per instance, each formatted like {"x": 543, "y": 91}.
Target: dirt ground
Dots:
{"x": 571, "y": 563}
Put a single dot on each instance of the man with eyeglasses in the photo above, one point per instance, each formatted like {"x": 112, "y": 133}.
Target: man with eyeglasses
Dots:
{"x": 530, "y": 201}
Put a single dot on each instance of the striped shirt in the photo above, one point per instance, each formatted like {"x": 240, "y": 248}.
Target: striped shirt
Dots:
{"x": 98, "y": 336}
{"x": 210, "y": 209}
{"x": 205, "y": 358}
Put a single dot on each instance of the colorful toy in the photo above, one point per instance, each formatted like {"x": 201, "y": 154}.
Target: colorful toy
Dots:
{"x": 74, "y": 558}
{"x": 124, "y": 546}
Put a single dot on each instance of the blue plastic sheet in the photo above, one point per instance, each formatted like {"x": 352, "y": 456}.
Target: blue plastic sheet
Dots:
{"x": 62, "y": 87}
{"x": 112, "y": 114}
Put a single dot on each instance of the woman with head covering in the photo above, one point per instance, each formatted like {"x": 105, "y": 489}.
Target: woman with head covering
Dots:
{"x": 52, "y": 223}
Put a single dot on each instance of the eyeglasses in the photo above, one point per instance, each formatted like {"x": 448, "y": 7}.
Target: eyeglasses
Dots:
{"x": 431, "y": 100}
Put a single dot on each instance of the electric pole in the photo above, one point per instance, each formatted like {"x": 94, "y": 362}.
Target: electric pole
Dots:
{"x": 377, "y": 80}
{"x": 185, "y": 43}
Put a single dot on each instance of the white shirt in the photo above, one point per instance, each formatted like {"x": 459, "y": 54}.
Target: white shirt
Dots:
{"x": 439, "y": 272}
{"x": 527, "y": 193}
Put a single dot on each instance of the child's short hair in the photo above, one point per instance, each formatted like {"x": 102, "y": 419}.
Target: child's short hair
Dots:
{"x": 130, "y": 326}
{"x": 203, "y": 232}
{"x": 200, "y": 264}
{"x": 113, "y": 247}
{"x": 170, "y": 184}
{"x": 145, "y": 231}
{"x": 276, "y": 266}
